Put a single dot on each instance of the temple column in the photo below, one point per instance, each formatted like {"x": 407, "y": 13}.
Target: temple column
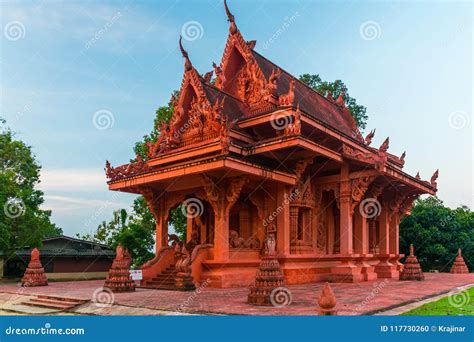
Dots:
{"x": 385, "y": 269}
{"x": 394, "y": 236}
{"x": 156, "y": 204}
{"x": 347, "y": 271}
{"x": 361, "y": 246}
{"x": 221, "y": 234}
{"x": 361, "y": 240}
{"x": 384, "y": 226}
{"x": 283, "y": 221}
{"x": 345, "y": 210}
{"x": 189, "y": 227}
{"x": 293, "y": 228}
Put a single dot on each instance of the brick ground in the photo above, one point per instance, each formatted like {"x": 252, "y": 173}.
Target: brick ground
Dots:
{"x": 353, "y": 299}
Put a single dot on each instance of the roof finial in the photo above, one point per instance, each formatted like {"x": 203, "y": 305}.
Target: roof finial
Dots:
{"x": 402, "y": 157}
{"x": 369, "y": 137}
{"x": 230, "y": 17}
{"x": 384, "y": 146}
{"x": 187, "y": 64}
{"x": 434, "y": 177}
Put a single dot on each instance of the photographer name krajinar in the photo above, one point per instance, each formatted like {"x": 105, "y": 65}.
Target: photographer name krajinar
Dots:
{"x": 423, "y": 328}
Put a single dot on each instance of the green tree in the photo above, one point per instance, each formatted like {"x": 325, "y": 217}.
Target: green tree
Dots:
{"x": 22, "y": 222}
{"x": 437, "y": 232}
{"x": 136, "y": 232}
{"x": 359, "y": 112}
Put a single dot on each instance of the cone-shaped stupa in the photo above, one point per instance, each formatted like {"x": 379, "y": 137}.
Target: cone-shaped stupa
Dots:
{"x": 459, "y": 265}
{"x": 119, "y": 279}
{"x": 412, "y": 269}
{"x": 34, "y": 273}
{"x": 327, "y": 301}
{"x": 269, "y": 277}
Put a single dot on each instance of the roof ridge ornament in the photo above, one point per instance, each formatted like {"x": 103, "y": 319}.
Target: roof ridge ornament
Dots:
{"x": 433, "y": 179}
{"x": 187, "y": 65}
{"x": 369, "y": 137}
{"x": 230, "y": 18}
{"x": 384, "y": 146}
{"x": 402, "y": 157}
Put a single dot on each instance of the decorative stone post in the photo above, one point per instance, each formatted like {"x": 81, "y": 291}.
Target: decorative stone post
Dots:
{"x": 119, "y": 279}
{"x": 327, "y": 301}
{"x": 459, "y": 265}
{"x": 412, "y": 269}
{"x": 269, "y": 276}
{"x": 34, "y": 273}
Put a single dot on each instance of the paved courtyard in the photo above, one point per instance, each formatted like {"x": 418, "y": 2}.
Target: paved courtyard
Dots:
{"x": 352, "y": 299}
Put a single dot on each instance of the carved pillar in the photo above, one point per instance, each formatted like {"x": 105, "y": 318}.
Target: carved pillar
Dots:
{"x": 156, "y": 204}
{"x": 293, "y": 226}
{"x": 222, "y": 198}
{"x": 345, "y": 208}
{"x": 384, "y": 228}
{"x": 221, "y": 233}
{"x": 283, "y": 220}
{"x": 386, "y": 268}
{"x": 189, "y": 227}
{"x": 394, "y": 235}
{"x": 361, "y": 240}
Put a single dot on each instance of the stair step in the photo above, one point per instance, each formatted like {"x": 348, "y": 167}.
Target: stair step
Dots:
{"x": 153, "y": 283}
{"x": 63, "y": 299}
{"x": 48, "y": 305}
{"x": 160, "y": 287}
{"x": 51, "y": 302}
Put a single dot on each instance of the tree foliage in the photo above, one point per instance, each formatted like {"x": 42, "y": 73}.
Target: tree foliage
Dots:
{"x": 437, "y": 232}
{"x": 337, "y": 87}
{"x": 22, "y": 222}
{"x": 135, "y": 232}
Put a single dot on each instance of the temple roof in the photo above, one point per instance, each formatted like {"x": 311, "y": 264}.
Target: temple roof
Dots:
{"x": 309, "y": 100}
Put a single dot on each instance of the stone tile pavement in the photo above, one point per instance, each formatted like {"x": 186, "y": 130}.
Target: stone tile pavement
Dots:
{"x": 353, "y": 299}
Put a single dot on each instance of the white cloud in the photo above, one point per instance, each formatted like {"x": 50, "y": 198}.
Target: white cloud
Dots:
{"x": 72, "y": 180}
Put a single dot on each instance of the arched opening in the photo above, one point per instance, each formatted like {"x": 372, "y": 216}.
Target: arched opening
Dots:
{"x": 246, "y": 230}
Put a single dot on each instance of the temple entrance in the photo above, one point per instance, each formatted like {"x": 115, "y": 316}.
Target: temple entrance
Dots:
{"x": 200, "y": 221}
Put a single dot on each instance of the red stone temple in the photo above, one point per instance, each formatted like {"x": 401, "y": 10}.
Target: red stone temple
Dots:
{"x": 253, "y": 151}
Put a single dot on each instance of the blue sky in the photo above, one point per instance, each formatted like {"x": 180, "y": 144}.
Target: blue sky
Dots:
{"x": 409, "y": 63}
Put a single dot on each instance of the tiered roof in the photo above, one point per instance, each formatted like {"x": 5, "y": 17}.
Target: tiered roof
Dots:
{"x": 230, "y": 116}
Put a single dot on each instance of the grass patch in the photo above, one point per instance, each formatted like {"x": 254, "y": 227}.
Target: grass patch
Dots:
{"x": 461, "y": 303}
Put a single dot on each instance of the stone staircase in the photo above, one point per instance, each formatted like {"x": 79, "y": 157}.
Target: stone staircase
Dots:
{"x": 54, "y": 303}
{"x": 166, "y": 280}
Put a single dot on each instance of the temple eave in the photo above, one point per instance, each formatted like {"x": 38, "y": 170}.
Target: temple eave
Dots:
{"x": 231, "y": 166}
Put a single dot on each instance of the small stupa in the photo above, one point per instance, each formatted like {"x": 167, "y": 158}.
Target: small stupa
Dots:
{"x": 459, "y": 265}
{"x": 269, "y": 276}
{"x": 327, "y": 301}
{"x": 119, "y": 279}
{"x": 34, "y": 273}
{"x": 412, "y": 269}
